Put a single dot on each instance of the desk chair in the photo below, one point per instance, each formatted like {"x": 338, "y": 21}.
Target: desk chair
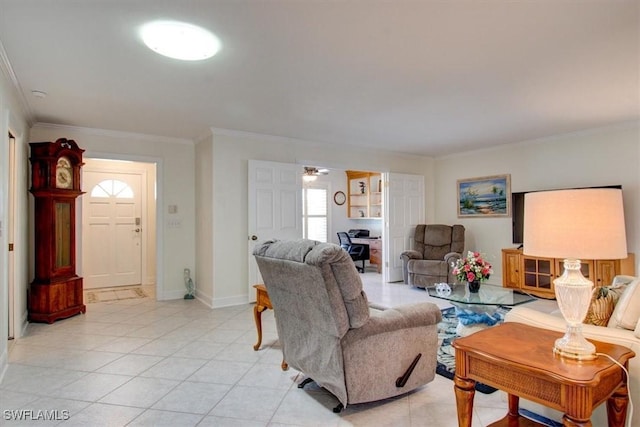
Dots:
{"x": 356, "y": 251}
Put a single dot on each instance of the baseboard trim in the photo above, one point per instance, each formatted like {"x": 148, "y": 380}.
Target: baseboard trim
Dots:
{"x": 4, "y": 363}
{"x": 229, "y": 301}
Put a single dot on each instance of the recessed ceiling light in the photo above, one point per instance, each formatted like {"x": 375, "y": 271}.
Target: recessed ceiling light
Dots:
{"x": 180, "y": 40}
{"x": 39, "y": 93}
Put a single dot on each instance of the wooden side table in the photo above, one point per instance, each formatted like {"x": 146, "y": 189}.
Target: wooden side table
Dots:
{"x": 262, "y": 303}
{"x": 519, "y": 359}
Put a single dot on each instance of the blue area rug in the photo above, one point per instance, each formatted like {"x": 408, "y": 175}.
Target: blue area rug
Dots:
{"x": 446, "y": 353}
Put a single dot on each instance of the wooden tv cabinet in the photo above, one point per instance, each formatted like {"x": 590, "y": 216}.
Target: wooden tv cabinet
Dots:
{"x": 535, "y": 275}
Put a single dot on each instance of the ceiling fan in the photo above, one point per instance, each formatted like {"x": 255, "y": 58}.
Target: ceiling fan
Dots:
{"x": 311, "y": 173}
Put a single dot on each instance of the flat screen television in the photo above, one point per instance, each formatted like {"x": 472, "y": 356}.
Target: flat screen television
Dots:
{"x": 517, "y": 211}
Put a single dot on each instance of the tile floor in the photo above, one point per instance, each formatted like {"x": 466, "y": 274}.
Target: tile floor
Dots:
{"x": 141, "y": 362}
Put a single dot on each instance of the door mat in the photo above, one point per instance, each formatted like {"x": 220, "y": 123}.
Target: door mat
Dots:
{"x": 114, "y": 294}
{"x": 446, "y": 353}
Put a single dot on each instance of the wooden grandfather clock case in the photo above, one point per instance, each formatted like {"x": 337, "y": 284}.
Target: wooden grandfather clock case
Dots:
{"x": 56, "y": 291}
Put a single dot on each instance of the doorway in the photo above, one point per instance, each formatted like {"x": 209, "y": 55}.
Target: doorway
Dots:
{"x": 11, "y": 262}
{"x": 118, "y": 223}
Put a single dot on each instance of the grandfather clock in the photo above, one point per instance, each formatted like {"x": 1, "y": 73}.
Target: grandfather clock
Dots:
{"x": 56, "y": 291}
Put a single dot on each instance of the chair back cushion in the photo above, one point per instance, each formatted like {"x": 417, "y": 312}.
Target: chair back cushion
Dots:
{"x": 317, "y": 297}
{"x": 316, "y": 283}
{"x": 344, "y": 239}
{"x": 434, "y": 241}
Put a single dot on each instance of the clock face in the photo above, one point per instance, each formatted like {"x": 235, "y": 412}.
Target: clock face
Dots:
{"x": 64, "y": 175}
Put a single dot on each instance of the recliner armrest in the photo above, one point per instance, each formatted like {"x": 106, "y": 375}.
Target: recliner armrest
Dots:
{"x": 397, "y": 318}
{"x": 452, "y": 256}
{"x": 410, "y": 254}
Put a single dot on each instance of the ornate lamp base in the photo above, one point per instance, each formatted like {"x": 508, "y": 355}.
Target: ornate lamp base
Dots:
{"x": 573, "y": 292}
{"x": 574, "y": 346}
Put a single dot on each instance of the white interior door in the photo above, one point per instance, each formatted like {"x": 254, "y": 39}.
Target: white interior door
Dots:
{"x": 404, "y": 209}
{"x": 111, "y": 229}
{"x": 275, "y": 208}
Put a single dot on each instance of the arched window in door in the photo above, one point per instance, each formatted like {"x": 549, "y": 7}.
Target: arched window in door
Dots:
{"x": 112, "y": 188}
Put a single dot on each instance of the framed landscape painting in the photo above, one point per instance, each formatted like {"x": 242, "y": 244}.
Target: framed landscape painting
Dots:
{"x": 484, "y": 197}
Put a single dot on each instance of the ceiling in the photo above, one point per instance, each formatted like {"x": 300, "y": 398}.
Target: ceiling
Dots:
{"x": 423, "y": 77}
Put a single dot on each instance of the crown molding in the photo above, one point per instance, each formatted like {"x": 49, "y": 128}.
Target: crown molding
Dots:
{"x": 7, "y": 71}
{"x": 205, "y": 136}
{"x": 258, "y": 136}
{"x": 115, "y": 133}
{"x": 619, "y": 126}
{"x": 283, "y": 139}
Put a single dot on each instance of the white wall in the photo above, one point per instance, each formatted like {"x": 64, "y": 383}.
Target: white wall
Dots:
{"x": 231, "y": 152}
{"x": 174, "y": 161}
{"x": 204, "y": 221}
{"x": 605, "y": 156}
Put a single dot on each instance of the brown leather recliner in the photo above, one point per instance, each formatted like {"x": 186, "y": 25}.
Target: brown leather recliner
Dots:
{"x": 435, "y": 248}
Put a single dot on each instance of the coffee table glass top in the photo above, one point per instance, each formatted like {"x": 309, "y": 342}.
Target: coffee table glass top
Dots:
{"x": 487, "y": 295}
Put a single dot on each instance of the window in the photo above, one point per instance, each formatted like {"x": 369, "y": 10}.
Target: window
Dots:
{"x": 112, "y": 188}
{"x": 315, "y": 221}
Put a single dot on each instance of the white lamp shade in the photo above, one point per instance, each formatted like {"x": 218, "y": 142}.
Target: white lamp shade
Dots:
{"x": 580, "y": 224}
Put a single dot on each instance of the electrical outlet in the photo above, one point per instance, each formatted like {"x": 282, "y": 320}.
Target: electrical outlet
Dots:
{"x": 174, "y": 223}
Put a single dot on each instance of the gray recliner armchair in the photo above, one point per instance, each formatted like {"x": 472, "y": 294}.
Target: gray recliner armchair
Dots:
{"x": 435, "y": 247}
{"x": 329, "y": 332}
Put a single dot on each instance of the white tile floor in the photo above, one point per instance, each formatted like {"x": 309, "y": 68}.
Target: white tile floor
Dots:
{"x": 140, "y": 362}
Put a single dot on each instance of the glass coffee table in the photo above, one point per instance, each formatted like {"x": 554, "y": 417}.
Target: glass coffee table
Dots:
{"x": 476, "y": 311}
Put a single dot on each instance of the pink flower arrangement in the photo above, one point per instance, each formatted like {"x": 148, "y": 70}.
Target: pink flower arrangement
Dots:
{"x": 472, "y": 268}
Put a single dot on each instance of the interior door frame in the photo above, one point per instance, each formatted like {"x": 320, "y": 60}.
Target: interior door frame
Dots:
{"x": 159, "y": 230}
{"x": 11, "y": 261}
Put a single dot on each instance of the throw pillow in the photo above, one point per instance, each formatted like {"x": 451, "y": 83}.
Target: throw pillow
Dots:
{"x": 627, "y": 310}
{"x": 601, "y": 307}
{"x": 603, "y": 302}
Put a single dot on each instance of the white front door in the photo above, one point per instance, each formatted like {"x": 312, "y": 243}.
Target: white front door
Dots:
{"x": 275, "y": 208}
{"x": 111, "y": 228}
{"x": 404, "y": 209}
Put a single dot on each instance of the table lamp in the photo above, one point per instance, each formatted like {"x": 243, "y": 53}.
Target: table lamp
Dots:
{"x": 575, "y": 224}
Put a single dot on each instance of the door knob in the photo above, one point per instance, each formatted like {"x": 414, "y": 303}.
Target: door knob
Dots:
{"x": 254, "y": 237}
{"x": 137, "y": 230}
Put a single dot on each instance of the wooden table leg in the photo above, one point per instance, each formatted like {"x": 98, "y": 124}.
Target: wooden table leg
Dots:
{"x": 617, "y": 407}
{"x": 257, "y": 315}
{"x": 577, "y": 415}
{"x": 262, "y": 303}
{"x": 514, "y": 406}
{"x": 569, "y": 422}
{"x": 465, "y": 390}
